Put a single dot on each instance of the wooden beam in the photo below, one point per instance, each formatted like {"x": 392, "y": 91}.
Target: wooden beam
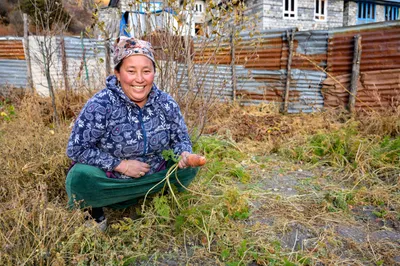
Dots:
{"x": 290, "y": 39}
{"x": 355, "y": 73}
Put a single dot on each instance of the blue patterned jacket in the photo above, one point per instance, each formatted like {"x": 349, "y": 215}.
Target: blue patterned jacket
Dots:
{"x": 111, "y": 128}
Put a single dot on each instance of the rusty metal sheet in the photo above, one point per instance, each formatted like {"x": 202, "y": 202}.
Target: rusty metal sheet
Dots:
{"x": 12, "y": 48}
{"x": 376, "y": 90}
{"x": 211, "y": 80}
{"x": 265, "y": 85}
{"x": 380, "y": 48}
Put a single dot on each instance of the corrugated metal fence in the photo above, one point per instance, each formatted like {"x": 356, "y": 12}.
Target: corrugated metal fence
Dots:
{"x": 85, "y": 63}
{"x": 320, "y": 69}
{"x": 12, "y": 62}
{"x": 379, "y": 83}
{"x": 256, "y": 72}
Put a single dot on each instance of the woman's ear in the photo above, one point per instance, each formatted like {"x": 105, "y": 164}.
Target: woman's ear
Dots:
{"x": 116, "y": 73}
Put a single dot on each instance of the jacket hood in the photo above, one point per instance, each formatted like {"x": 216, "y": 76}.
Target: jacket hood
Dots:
{"x": 112, "y": 84}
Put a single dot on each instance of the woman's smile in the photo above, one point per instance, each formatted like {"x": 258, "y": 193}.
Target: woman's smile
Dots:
{"x": 138, "y": 87}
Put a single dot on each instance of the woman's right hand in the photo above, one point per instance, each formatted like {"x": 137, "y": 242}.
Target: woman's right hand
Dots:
{"x": 132, "y": 168}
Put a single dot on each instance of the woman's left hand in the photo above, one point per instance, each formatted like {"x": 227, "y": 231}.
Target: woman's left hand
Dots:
{"x": 183, "y": 161}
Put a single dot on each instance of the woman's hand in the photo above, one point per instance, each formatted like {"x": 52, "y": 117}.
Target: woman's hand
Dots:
{"x": 191, "y": 160}
{"x": 132, "y": 168}
{"x": 183, "y": 161}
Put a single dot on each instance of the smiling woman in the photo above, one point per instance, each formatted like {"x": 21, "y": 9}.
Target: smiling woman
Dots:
{"x": 136, "y": 76}
{"x": 118, "y": 138}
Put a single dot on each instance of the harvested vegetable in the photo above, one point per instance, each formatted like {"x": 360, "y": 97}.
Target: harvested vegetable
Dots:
{"x": 195, "y": 160}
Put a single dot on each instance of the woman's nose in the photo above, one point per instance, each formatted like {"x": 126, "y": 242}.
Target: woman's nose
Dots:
{"x": 139, "y": 77}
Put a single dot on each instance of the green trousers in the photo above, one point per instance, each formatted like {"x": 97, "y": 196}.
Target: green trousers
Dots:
{"x": 89, "y": 186}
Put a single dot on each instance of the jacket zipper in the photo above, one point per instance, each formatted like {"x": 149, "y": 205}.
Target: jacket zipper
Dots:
{"x": 144, "y": 131}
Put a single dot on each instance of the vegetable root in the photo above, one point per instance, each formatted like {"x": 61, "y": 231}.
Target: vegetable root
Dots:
{"x": 195, "y": 160}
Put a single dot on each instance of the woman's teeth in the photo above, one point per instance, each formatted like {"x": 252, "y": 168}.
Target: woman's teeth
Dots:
{"x": 138, "y": 87}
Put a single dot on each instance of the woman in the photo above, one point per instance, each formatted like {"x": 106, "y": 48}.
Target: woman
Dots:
{"x": 118, "y": 138}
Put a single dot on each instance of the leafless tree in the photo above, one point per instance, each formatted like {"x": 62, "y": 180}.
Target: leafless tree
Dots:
{"x": 50, "y": 21}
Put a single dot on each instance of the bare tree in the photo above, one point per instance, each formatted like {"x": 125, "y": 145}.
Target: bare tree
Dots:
{"x": 50, "y": 20}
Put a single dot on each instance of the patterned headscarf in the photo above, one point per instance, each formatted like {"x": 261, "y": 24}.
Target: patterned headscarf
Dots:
{"x": 125, "y": 46}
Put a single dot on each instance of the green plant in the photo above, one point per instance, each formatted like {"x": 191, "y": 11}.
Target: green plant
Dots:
{"x": 7, "y": 110}
{"x": 339, "y": 200}
{"x": 236, "y": 204}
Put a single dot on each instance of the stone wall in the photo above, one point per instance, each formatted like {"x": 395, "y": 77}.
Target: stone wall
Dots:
{"x": 380, "y": 13}
{"x": 272, "y": 14}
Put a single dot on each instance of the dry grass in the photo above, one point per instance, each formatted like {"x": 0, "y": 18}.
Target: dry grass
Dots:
{"x": 232, "y": 216}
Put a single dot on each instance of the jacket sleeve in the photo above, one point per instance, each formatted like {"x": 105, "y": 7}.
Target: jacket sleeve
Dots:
{"x": 86, "y": 133}
{"x": 180, "y": 140}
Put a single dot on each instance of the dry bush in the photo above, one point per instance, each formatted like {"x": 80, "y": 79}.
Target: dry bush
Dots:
{"x": 31, "y": 226}
{"x": 262, "y": 129}
{"x": 35, "y": 150}
{"x": 32, "y": 196}
{"x": 384, "y": 123}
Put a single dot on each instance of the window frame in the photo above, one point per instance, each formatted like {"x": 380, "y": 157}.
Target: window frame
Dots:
{"x": 389, "y": 13}
{"x": 199, "y": 7}
{"x": 289, "y": 12}
{"x": 325, "y": 10}
{"x": 361, "y": 7}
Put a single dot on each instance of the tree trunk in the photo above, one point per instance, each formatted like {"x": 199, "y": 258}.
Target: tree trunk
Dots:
{"x": 50, "y": 85}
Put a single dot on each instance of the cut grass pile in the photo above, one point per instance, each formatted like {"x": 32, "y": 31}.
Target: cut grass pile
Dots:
{"x": 343, "y": 206}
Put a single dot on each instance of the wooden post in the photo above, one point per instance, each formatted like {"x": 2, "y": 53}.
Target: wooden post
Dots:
{"x": 233, "y": 68}
{"x": 27, "y": 53}
{"x": 64, "y": 66}
{"x": 355, "y": 72}
{"x": 108, "y": 55}
{"x": 290, "y": 39}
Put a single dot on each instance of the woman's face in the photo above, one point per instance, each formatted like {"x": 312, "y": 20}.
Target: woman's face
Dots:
{"x": 136, "y": 76}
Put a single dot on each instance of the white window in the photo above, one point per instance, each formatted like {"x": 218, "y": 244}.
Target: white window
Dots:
{"x": 320, "y": 9}
{"x": 198, "y": 7}
{"x": 289, "y": 8}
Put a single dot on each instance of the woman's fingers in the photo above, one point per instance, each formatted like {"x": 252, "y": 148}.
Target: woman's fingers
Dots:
{"x": 183, "y": 161}
{"x": 137, "y": 169}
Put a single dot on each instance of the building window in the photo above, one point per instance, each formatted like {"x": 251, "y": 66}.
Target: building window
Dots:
{"x": 320, "y": 9}
{"x": 289, "y": 8}
{"x": 198, "y": 7}
{"x": 366, "y": 13}
{"x": 392, "y": 13}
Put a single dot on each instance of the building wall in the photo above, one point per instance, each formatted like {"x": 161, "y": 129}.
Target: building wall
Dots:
{"x": 351, "y": 13}
{"x": 272, "y": 14}
{"x": 380, "y": 13}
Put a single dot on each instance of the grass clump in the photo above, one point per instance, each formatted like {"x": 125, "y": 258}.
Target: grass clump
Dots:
{"x": 350, "y": 150}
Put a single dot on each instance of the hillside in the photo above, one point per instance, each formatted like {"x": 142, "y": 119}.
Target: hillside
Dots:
{"x": 80, "y": 11}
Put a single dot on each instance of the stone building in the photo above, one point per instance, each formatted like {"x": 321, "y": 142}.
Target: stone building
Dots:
{"x": 274, "y": 14}
{"x": 320, "y": 14}
{"x": 361, "y": 12}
